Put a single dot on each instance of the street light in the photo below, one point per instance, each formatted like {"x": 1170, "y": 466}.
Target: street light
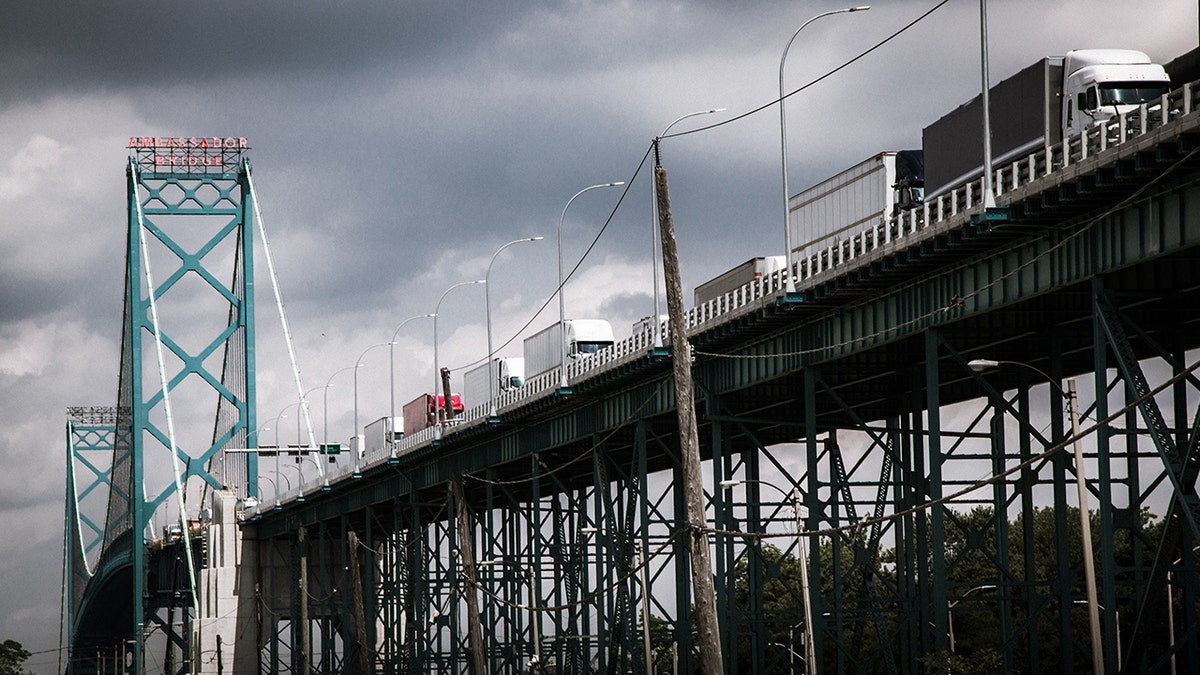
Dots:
{"x": 1089, "y": 564}
{"x": 810, "y": 650}
{"x": 534, "y": 615}
{"x": 392, "y": 369}
{"x": 654, "y": 236}
{"x": 325, "y": 411}
{"x": 950, "y": 609}
{"x": 1117, "y": 616}
{"x": 487, "y": 308}
{"x": 311, "y": 441}
{"x": 437, "y": 373}
{"x": 787, "y": 234}
{"x": 642, "y": 562}
{"x": 358, "y": 437}
{"x": 277, "y": 418}
{"x": 1171, "y": 608}
{"x": 989, "y": 197}
{"x": 562, "y": 321}
{"x": 791, "y": 653}
{"x": 274, "y": 488}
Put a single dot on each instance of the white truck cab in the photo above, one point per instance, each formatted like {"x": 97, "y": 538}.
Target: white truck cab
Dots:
{"x": 1099, "y": 84}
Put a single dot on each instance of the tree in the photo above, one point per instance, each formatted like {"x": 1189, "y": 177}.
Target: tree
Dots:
{"x": 12, "y": 656}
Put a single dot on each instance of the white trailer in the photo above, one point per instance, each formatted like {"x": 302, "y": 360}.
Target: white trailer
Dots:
{"x": 583, "y": 337}
{"x": 825, "y": 218}
{"x": 379, "y": 433}
{"x": 510, "y": 374}
{"x": 751, "y": 270}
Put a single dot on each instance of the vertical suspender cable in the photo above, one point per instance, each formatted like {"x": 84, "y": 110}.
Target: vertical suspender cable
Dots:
{"x": 162, "y": 376}
{"x": 287, "y": 335}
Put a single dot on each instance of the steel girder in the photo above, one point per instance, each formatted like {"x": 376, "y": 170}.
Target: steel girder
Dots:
{"x": 879, "y": 379}
{"x": 195, "y": 227}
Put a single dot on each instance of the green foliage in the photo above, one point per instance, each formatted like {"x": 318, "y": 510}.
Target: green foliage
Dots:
{"x": 12, "y": 655}
{"x": 982, "y": 662}
{"x": 983, "y": 554}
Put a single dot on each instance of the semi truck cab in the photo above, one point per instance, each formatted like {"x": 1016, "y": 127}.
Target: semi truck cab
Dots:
{"x": 1099, "y": 84}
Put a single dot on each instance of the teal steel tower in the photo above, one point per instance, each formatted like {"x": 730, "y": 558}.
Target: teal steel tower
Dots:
{"x": 186, "y": 393}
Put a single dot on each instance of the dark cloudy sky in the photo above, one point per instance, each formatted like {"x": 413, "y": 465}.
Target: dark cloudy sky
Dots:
{"x": 397, "y": 145}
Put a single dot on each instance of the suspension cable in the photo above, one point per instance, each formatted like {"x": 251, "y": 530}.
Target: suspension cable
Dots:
{"x": 287, "y": 335}
{"x": 166, "y": 395}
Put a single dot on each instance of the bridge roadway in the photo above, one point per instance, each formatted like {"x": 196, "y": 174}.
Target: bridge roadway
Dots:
{"x": 876, "y": 339}
{"x": 990, "y": 281}
{"x": 1087, "y": 236}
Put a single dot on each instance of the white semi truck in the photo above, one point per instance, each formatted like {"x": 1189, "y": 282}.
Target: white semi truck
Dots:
{"x": 730, "y": 280}
{"x": 581, "y": 338}
{"x": 378, "y": 434}
{"x": 1055, "y": 96}
{"x": 510, "y": 374}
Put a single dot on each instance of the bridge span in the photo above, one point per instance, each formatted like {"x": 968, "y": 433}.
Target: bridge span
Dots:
{"x": 871, "y": 488}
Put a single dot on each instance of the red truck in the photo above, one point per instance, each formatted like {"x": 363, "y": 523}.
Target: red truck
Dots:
{"x": 420, "y": 413}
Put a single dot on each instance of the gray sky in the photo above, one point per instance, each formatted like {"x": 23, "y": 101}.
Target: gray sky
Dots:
{"x": 397, "y": 145}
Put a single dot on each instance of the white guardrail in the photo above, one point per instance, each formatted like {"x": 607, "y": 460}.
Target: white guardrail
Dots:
{"x": 837, "y": 255}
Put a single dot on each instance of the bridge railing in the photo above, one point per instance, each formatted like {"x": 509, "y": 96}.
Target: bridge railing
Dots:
{"x": 829, "y": 253}
{"x": 835, "y": 256}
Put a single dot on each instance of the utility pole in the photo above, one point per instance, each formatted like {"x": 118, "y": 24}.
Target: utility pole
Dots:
{"x": 467, "y": 556}
{"x": 302, "y": 542}
{"x": 358, "y": 661}
{"x": 703, "y": 592}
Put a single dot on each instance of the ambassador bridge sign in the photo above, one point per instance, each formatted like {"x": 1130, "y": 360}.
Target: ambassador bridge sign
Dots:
{"x": 188, "y": 154}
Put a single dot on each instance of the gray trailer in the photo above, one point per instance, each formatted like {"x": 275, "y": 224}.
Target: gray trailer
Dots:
{"x": 751, "y": 270}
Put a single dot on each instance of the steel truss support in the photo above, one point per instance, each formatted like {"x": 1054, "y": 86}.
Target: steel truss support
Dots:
{"x": 188, "y": 312}
{"x": 558, "y": 576}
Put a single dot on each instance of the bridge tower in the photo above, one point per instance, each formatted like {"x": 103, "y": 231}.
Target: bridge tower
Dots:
{"x": 186, "y": 392}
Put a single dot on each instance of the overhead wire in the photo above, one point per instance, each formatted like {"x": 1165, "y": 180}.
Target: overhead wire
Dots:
{"x": 814, "y": 82}
{"x": 715, "y": 125}
{"x": 959, "y": 301}
{"x": 559, "y": 289}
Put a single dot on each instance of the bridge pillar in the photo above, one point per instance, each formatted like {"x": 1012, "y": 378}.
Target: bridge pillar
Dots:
{"x": 223, "y": 633}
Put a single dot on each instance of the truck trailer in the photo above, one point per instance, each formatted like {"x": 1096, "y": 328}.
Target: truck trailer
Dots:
{"x": 582, "y": 337}
{"x": 751, "y": 270}
{"x": 421, "y": 412}
{"x": 868, "y": 193}
{"x": 378, "y": 435}
{"x": 1052, "y": 98}
{"x": 510, "y": 374}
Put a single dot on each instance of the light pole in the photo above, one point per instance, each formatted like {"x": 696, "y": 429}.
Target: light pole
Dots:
{"x": 437, "y": 373}
{"x": 791, "y": 654}
{"x": 534, "y": 615}
{"x": 989, "y": 198}
{"x": 392, "y": 368}
{"x": 325, "y": 405}
{"x": 654, "y": 236}
{"x": 358, "y": 437}
{"x": 642, "y": 563}
{"x": 277, "y": 418}
{"x": 1085, "y": 528}
{"x": 562, "y": 320}
{"x": 1117, "y": 616}
{"x": 306, "y": 412}
{"x": 950, "y": 609}
{"x": 487, "y": 309}
{"x": 274, "y": 487}
{"x": 810, "y": 650}
{"x": 311, "y": 441}
{"x": 1171, "y": 608}
{"x": 787, "y": 234}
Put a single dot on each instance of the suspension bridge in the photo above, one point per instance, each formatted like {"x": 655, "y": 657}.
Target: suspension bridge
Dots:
{"x": 914, "y": 377}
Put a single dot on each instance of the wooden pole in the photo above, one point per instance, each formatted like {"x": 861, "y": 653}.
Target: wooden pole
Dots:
{"x": 358, "y": 657}
{"x": 703, "y": 592}
{"x": 303, "y": 590}
{"x": 467, "y": 554}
